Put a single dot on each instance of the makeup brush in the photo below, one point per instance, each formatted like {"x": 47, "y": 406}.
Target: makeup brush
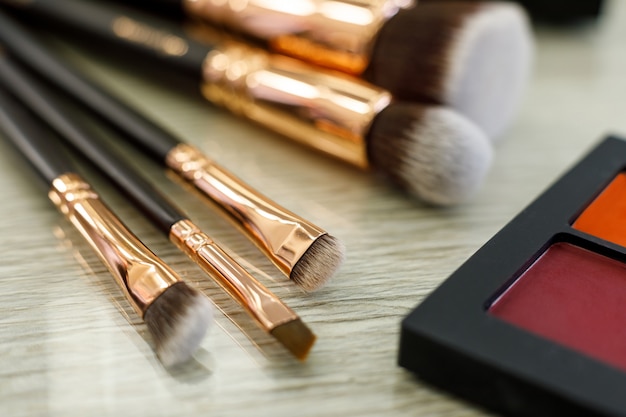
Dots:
{"x": 279, "y": 320}
{"x": 474, "y": 56}
{"x": 303, "y": 251}
{"x": 430, "y": 151}
{"x": 176, "y": 315}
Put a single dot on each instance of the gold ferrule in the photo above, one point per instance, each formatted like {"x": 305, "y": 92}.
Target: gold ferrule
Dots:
{"x": 283, "y": 236}
{"x": 262, "y": 304}
{"x": 324, "y": 110}
{"x": 139, "y": 272}
{"x": 335, "y": 33}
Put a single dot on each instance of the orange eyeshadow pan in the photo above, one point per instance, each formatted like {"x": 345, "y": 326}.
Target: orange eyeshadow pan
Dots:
{"x": 605, "y": 217}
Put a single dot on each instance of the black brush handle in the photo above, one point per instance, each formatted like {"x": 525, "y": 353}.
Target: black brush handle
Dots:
{"x": 170, "y": 8}
{"x": 158, "y": 40}
{"x": 33, "y": 139}
{"x": 158, "y": 3}
{"x": 146, "y": 134}
{"x": 49, "y": 107}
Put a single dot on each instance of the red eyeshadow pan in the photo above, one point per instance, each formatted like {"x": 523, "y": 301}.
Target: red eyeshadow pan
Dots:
{"x": 605, "y": 217}
{"x": 574, "y": 297}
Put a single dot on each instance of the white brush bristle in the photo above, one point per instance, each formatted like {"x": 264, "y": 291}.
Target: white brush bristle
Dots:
{"x": 432, "y": 152}
{"x": 178, "y": 321}
{"x": 188, "y": 335}
{"x": 448, "y": 157}
{"x": 490, "y": 65}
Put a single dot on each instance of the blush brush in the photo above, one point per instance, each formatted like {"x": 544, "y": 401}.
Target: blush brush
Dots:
{"x": 432, "y": 152}
{"x": 474, "y": 56}
{"x": 261, "y": 304}
{"x": 176, "y": 315}
{"x": 303, "y": 251}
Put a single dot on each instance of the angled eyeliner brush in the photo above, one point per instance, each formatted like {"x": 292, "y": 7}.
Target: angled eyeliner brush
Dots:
{"x": 431, "y": 152}
{"x": 176, "y": 315}
{"x": 267, "y": 309}
{"x": 301, "y": 250}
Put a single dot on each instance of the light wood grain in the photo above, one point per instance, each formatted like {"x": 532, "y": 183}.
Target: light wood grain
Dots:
{"x": 70, "y": 346}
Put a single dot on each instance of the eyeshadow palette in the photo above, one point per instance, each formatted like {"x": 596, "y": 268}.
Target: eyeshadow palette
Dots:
{"x": 534, "y": 323}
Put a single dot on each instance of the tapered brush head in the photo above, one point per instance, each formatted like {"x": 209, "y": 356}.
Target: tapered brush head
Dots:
{"x": 474, "y": 56}
{"x": 432, "y": 152}
{"x": 296, "y": 337}
{"x": 319, "y": 263}
{"x": 178, "y": 320}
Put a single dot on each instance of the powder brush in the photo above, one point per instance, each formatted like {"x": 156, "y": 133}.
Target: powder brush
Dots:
{"x": 260, "y": 303}
{"x": 474, "y": 56}
{"x": 176, "y": 315}
{"x": 303, "y": 251}
{"x": 432, "y": 152}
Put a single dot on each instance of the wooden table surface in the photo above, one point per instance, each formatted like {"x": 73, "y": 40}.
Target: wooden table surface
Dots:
{"x": 70, "y": 345}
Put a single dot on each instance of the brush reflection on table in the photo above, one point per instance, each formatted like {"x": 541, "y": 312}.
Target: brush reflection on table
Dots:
{"x": 65, "y": 349}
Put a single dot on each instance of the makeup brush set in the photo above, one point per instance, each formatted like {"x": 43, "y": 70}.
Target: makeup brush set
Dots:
{"x": 415, "y": 93}
{"x": 418, "y": 106}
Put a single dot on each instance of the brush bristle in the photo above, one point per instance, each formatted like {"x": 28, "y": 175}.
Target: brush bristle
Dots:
{"x": 296, "y": 337}
{"x": 178, "y": 320}
{"x": 473, "y": 56}
{"x": 319, "y": 263}
{"x": 432, "y": 152}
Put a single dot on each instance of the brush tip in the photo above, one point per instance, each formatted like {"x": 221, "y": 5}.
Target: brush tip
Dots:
{"x": 319, "y": 263}
{"x": 178, "y": 321}
{"x": 296, "y": 337}
{"x": 493, "y": 50}
{"x": 473, "y": 56}
{"x": 432, "y": 152}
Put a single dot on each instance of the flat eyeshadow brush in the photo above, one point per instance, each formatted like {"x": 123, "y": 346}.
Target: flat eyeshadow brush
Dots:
{"x": 303, "y": 251}
{"x": 267, "y": 309}
{"x": 176, "y": 315}
{"x": 431, "y": 152}
{"x": 474, "y": 56}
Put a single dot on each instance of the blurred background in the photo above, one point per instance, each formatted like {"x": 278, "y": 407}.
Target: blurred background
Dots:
{"x": 65, "y": 349}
